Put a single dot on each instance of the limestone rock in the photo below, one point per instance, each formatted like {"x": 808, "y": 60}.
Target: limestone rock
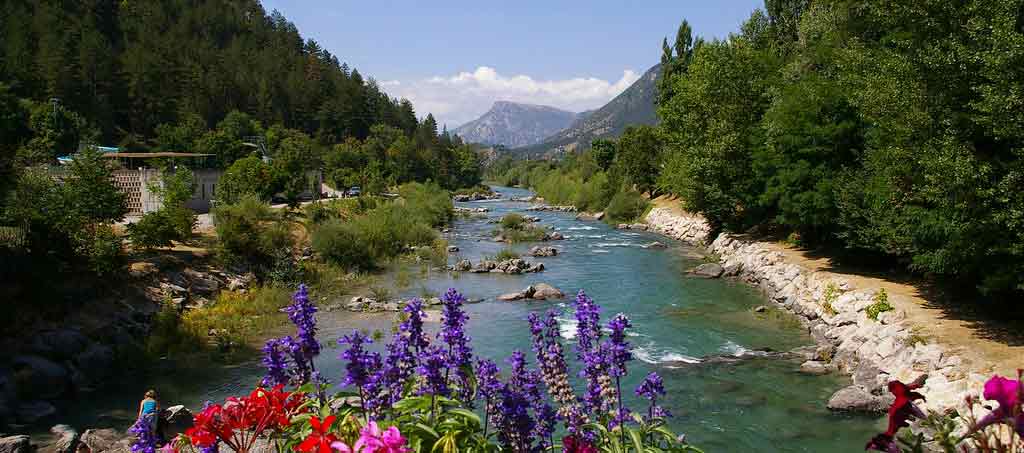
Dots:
{"x": 857, "y": 399}
{"x": 98, "y": 440}
{"x": 65, "y": 439}
{"x": 542, "y": 251}
{"x": 463, "y": 266}
{"x": 142, "y": 269}
{"x": 815, "y": 367}
{"x": 542, "y": 291}
{"x": 15, "y": 444}
{"x": 708, "y": 270}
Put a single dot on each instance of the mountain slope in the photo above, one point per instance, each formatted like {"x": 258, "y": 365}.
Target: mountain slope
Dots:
{"x": 633, "y": 106}
{"x": 513, "y": 125}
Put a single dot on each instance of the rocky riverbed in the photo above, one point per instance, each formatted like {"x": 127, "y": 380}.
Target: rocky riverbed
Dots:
{"x": 872, "y": 351}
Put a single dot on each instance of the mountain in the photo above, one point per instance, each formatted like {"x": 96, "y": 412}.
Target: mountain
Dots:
{"x": 512, "y": 125}
{"x": 633, "y": 106}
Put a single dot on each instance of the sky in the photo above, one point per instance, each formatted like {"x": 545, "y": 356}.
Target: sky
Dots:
{"x": 455, "y": 58}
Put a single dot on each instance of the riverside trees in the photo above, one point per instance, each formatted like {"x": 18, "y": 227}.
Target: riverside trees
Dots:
{"x": 878, "y": 127}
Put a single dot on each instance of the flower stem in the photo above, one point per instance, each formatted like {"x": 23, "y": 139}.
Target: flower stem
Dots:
{"x": 621, "y": 419}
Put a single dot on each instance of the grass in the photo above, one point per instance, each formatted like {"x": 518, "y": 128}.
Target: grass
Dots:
{"x": 505, "y": 255}
{"x": 526, "y": 234}
{"x": 830, "y": 296}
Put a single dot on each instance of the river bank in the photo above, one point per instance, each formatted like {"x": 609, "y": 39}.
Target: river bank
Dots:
{"x": 903, "y": 344}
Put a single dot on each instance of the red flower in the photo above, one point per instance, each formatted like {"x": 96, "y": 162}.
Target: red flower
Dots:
{"x": 240, "y": 421}
{"x": 319, "y": 441}
{"x": 573, "y": 444}
{"x": 901, "y": 411}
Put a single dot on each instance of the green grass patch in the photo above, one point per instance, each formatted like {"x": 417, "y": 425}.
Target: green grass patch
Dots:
{"x": 881, "y": 305}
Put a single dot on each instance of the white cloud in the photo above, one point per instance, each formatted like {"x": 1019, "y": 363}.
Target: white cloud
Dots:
{"x": 463, "y": 97}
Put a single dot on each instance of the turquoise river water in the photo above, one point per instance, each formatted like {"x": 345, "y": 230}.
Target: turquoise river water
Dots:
{"x": 758, "y": 405}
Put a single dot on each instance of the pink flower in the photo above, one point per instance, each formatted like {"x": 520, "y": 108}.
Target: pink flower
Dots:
{"x": 373, "y": 440}
{"x": 342, "y": 447}
{"x": 1007, "y": 392}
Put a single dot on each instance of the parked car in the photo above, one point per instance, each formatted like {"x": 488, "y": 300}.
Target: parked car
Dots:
{"x": 354, "y": 191}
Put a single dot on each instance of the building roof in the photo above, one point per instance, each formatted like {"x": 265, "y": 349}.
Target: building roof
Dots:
{"x": 157, "y": 154}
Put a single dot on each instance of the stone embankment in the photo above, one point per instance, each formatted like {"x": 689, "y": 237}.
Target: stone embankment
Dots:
{"x": 836, "y": 314}
{"x": 477, "y": 196}
{"x": 509, "y": 266}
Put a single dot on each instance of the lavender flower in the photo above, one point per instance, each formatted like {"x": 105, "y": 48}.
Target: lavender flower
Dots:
{"x": 588, "y": 338}
{"x": 525, "y": 382}
{"x": 650, "y": 389}
{"x": 386, "y": 385}
{"x": 432, "y": 368}
{"x": 302, "y": 313}
{"x": 302, "y": 365}
{"x": 515, "y": 426}
{"x": 554, "y": 371}
{"x": 453, "y": 333}
{"x": 488, "y": 387}
{"x": 617, "y": 346}
{"x": 276, "y": 363}
{"x": 361, "y": 363}
{"x": 412, "y": 326}
{"x": 617, "y": 352}
{"x": 145, "y": 437}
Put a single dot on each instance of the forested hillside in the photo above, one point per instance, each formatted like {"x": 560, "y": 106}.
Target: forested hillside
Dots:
{"x": 220, "y": 77}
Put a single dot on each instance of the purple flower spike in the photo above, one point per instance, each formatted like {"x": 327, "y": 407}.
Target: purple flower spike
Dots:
{"x": 276, "y": 362}
{"x": 302, "y": 313}
{"x": 433, "y": 363}
{"x": 453, "y": 334}
{"x": 361, "y": 363}
{"x": 650, "y": 389}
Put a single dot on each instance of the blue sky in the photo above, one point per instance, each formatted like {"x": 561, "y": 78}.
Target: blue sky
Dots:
{"x": 454, "y": 58}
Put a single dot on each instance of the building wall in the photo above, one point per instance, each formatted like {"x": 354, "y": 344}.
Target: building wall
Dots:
{"x": 138, "y": 185}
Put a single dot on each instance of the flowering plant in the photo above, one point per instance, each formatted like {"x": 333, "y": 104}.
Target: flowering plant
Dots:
{"x": 428, "y": 395}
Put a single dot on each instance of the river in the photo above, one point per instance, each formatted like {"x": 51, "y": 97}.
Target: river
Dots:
{"x": 761, "y": 405}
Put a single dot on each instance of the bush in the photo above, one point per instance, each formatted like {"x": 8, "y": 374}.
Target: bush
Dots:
{"x": 102, "y": 249}
{"x": 366, "y": 241}
{"x": 626, "y": 206}
{"x": 880, "y": 306}
{"x": 250, "y": 232}
{"x": 154, "y": 229}
{"x": 513, "y": 221}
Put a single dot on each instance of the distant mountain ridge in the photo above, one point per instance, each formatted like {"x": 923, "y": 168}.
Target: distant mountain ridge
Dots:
{"x": 633, "y": 106}
{"x": 513, "y": 124}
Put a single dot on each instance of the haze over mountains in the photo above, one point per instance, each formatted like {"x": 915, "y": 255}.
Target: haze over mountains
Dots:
{"x": 513, "y": 125}
{"x": 633, "y": 106}
{"x": 539, "y": 131}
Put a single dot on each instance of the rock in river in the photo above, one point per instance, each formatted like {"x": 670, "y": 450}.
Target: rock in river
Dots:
{"x": 541, "y": 251}
{"x": 708, "y": 270}
{"x": 15, "y": 444}
{"x": 857, "y": 399}
{"x": 539, "y": 291}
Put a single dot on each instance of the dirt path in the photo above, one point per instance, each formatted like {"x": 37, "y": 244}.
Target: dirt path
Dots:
{"x": 985, "y": 343}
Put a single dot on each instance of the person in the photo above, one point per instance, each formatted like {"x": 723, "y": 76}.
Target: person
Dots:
{"x": 149, "y": 408}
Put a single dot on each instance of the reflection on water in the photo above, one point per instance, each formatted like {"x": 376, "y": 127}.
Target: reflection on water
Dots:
{"x": 760, "y": 405}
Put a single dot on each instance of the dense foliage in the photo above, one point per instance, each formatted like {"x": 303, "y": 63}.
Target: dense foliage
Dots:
{"x": 357, "y": 237}
{"x": 885, "y": 128}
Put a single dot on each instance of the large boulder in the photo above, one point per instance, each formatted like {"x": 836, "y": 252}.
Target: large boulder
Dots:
{"x": 175, "y": 420}
{"x": 512, "y": 296}
{"x": 97, "y": 440}
{"x": 463, "y": 266}
{"x": 543, "y": 291}
{"x": 857, "y": 399}
{"x": 59, "y": 343}
{"x": 40, "y": 377}
{"x": 553, "y": 236}
{"x": 542, "y": 251}
{"x": 96, "y": 361}
{"x": 65, "y": 439}
{"x": 708, "y": 270}
{"x": 200, "y": 283}
{"x": 815, "y": 367}
{"x": 15, "y": 444}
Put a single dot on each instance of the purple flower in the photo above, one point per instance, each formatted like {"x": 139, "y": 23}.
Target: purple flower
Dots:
{"x": 617, "y": 346}
{"x": 145, "y": 435}
{"x": 302, "y": 365}
{"x": 487, "y": 379}
{"x": 588, "y": 352}
{"x": 361, "y": 363}
{"x": 650, "y": 389}
{"x": 512, "y": 417}
{"x": 453, "y": 333}
{"x": 302, "y": 313}
{"x": 276, "y": 362}
{"x": 525, "y": 382}
{"x": 554, "y": 371}
{"x": 412, "y": 326}
{"x": 386, "y": 385}
{"x": 433, "y": 364}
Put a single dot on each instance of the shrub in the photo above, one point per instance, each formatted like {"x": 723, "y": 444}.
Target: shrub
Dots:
{"x": 513, "y": 222}
{"x": 880, "y": 306}
{"x": 250, "y": 232}
{"x": 102, "y": 249}
{"x": 154, "y": 229}
{"x": 341, "y": 243}
{"x": 626, "y": 206}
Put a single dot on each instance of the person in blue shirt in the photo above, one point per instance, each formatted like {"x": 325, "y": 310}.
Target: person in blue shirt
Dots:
{"x": 149, "y": 408}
